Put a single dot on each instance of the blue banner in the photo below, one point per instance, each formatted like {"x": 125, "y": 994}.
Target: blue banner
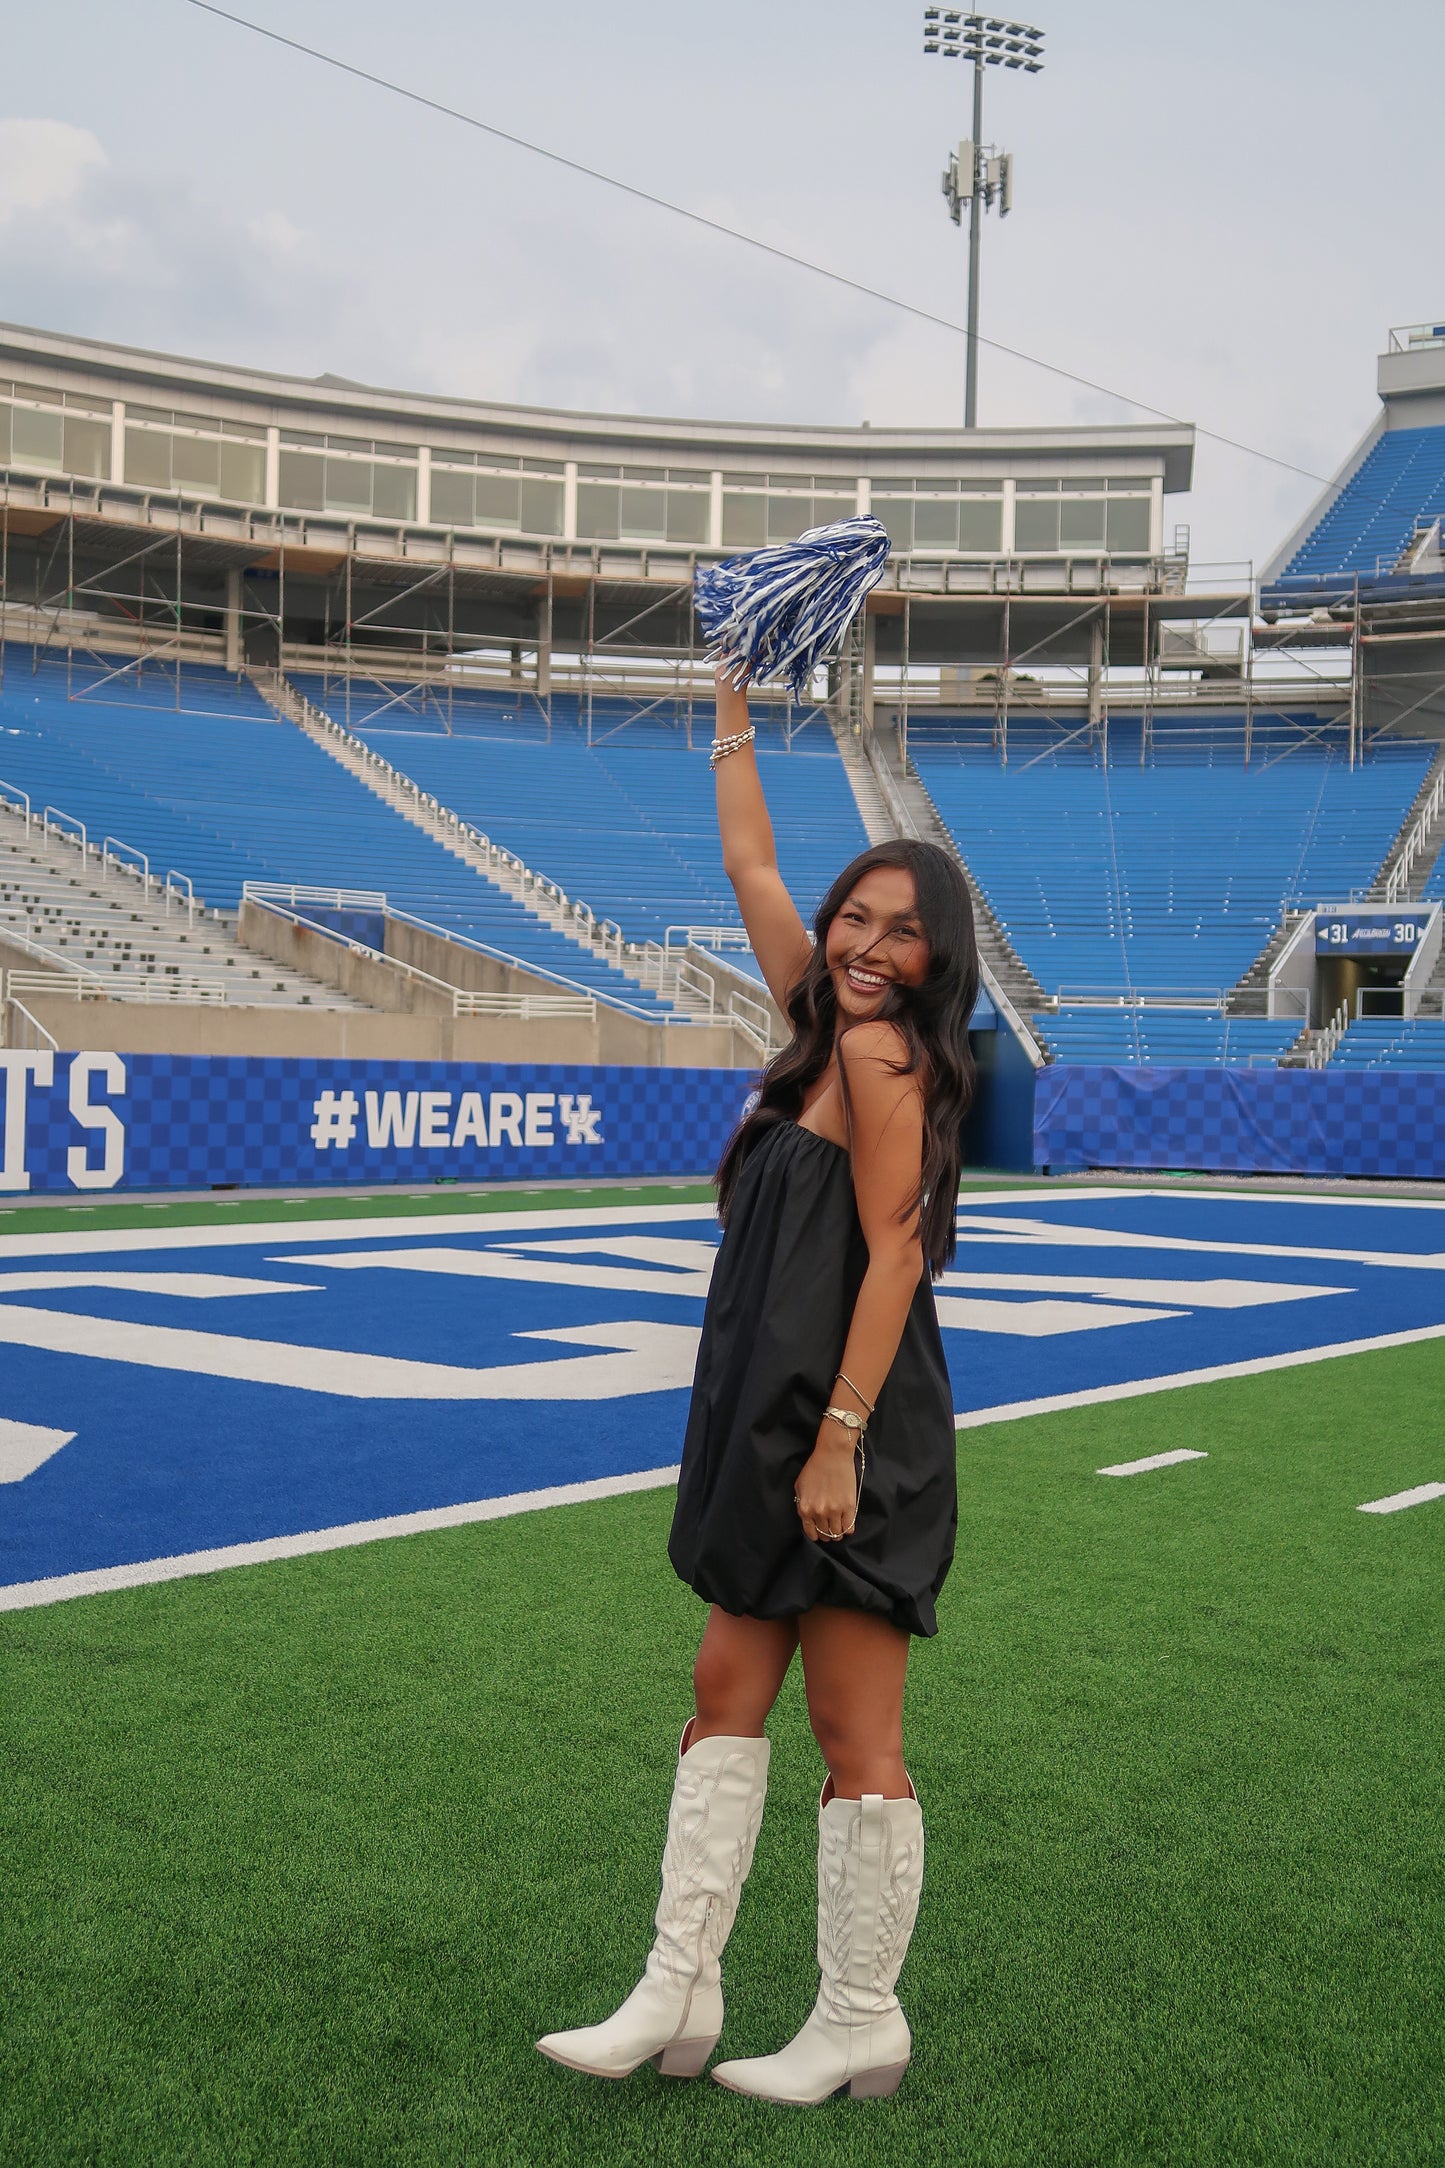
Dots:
{"x": 106, "y": 1122}
{"x": 1381, "y": 1122}
{"x": 1370, "y": 933}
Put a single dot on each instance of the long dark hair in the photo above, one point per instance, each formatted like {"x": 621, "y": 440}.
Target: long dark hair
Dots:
{"x": 933, "y": 1018}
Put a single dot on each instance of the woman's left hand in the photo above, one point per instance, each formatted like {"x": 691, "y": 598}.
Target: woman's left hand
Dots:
{"x": 826, "y": 1492}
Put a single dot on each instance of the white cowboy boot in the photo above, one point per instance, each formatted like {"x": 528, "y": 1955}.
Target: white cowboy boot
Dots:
{"x": 870, "y": 1872}
{"x": 675, "y": 2012}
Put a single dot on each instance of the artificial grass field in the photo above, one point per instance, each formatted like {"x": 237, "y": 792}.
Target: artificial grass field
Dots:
{"x": 299, "y": 1859}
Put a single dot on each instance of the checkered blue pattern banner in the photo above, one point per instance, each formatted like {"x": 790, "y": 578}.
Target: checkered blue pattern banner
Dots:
{"x": 100, "y": 1122}
{"x": 1388, "y": 1122}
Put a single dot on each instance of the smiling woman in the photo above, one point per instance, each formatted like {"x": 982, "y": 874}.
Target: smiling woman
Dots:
{"x": 816, "y": 1506}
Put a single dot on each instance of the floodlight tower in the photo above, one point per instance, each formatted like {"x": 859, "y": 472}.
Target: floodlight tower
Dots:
{"x": 977, "y": 174}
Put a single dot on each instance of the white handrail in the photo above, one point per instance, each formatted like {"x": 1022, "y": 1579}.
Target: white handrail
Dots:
{"x": 110, "y": 848}
{"x": 1414, "y": 842}
{"x": 61, "y": 816}
{"x": 12, "y": 795}
{"x": 43, "y": 1039}
{"x": 183, "y": 886}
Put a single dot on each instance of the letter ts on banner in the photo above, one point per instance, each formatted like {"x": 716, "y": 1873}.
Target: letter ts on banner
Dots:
{"x": 109, "y": 1071}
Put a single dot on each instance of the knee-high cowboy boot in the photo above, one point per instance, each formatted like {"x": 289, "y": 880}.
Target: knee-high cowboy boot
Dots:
{"x": 870, "y": 1872}
{"x": 675, "y": 2012}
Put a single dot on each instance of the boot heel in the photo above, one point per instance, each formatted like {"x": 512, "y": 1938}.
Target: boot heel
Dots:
{"x": 684, "y": 2058}
{"x": 877, "y": 2084}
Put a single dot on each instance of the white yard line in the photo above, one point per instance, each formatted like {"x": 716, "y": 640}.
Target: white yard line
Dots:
{"x": 26, "y": 1595}
{"x": 1154, "y": 1460}
{"x": 1135, "y": 1388}
{"x": 1419, "y": 1496}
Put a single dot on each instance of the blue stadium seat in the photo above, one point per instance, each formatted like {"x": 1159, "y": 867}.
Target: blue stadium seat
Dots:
{"x": 1388, "y": 1042}
{"x": 1170, "y": 875}
{"x": 1400, "y": 481}
{"x": 1163, "y": 1038}
{"x": 201, "y": 776}
{"x": 626, "y": 824}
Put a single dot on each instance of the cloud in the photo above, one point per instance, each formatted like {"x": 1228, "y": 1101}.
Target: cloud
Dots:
{"x": 46, "y": 167}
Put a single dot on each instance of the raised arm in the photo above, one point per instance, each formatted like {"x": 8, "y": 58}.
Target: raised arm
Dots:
{"x": 887, "y": 1152}
{"x": 750, "y": 860}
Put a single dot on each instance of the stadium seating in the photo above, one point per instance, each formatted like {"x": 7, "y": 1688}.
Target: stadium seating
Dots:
{"x": 1400, "y": 481}
{"x": 1168, "y": 876}
{"x": 626, "y": 824}
{"x": 1164, "y": 1038}
{"x": 1388, "y": 1042}
{"x": 223, "y": 792}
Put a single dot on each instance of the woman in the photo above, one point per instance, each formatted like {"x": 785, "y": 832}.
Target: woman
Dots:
{"x": 816, "y": 1505}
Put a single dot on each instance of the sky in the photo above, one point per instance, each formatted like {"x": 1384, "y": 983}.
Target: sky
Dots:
{"x": 1218, "y": 210}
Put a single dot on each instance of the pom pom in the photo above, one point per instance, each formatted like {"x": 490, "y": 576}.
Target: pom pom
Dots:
{"x": 775, "y": 614}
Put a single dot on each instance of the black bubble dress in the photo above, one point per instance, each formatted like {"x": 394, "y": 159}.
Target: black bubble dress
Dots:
{"x": 787, "y": 1277}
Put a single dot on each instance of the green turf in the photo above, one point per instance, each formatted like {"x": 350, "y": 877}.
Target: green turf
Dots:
{"x": 67, "y": 1215}
{"x": 298, "y": 1860}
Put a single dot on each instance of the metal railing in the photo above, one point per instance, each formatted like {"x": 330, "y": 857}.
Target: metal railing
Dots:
{"x": 1323, "y": 1043}
{"x": 112, "y": 852}
{"x": 68, "y": 982}
{"x": 23, "y": 1032}
{"x": 463, "y": 1001}
{"x": 1415, "y": 841}
{"x": 1135, "y": 997}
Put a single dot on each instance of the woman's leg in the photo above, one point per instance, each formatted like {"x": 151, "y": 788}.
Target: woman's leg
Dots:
{"x": 740, "y": 1669}
{"x": 854, "y": 1665}
{"x": 870, "y": 1871}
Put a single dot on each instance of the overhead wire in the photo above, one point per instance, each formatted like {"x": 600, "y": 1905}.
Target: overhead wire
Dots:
{"x": 736, "y": 233}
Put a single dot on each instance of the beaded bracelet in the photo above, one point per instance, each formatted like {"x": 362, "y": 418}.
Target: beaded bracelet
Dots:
{"x": 721, "y": 747}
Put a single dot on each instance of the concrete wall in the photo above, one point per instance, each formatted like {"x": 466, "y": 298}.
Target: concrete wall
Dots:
{"x": 406, "y": 1021}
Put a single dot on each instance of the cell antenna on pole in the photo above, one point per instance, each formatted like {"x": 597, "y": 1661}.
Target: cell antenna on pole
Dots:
{"x": 978, "y": 174}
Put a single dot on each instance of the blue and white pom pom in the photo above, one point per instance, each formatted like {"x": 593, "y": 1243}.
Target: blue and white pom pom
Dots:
{"x": 773, "y": 615}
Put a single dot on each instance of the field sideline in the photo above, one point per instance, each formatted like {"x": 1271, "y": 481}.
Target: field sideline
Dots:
{"x": 300, "y": 1857}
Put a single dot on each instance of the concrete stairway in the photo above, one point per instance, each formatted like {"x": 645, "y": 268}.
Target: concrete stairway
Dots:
{"x": 1429, "y": 850}
{"x": 545, "y": 900}
{"x": 873, "y": 810}
{"x": 1250, "y": 996}
{"x": 62, "y": 911}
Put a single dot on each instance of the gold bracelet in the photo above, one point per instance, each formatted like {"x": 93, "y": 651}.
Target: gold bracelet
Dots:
{"x": 844, "y": 1379}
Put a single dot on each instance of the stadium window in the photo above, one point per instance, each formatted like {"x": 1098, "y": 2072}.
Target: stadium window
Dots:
{"x": 393, "y": 491}
{"x": 243, "y": 472}
{"x": 788, "y": 516}
{"x": 1081, "y": 523}
{"x": 896, "y": 514}
{"x": 980, "y": 523}
{"x": 541, "y": 506}
{"x": 744, "y": 523}
{"x": 642, "y": 514}
{"x": 453, "y": 498}
{"x": 1036, "y": 523}
{"x": 687, "y": 513}
{"x": 38, "y": 439}
{"x": 828, "y": 509}
{"x": 1128, "y": 528}
{"x": 302, "y": 477}
{"x": 597, "y": 511}
{"x": 499, "y": 500}
{"x": 935, "y": 523}
{"x": 196, "y": 463}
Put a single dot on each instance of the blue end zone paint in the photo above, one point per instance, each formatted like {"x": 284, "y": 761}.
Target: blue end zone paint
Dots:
{"x": 1385, "y": 1123}
{"x": 168, "y": 1460}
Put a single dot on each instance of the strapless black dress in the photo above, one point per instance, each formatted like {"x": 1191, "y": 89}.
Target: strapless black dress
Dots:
{"x": 787, "y": 1277}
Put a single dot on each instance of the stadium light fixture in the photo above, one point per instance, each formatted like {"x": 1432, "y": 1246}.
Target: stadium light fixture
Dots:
{"x": 979, "y": 174}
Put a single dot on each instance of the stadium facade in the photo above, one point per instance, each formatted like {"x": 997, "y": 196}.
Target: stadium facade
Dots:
{"x": 238, "y": 515}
